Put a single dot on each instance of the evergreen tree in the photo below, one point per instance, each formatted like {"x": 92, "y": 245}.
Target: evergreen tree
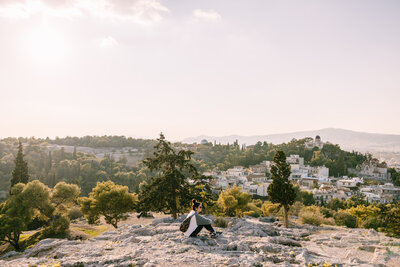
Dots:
{"x": 281, "y": 190}
{"x": 169, "y": 190}
{"x": 74, "y": 154}
{"x": 20, "y": 173}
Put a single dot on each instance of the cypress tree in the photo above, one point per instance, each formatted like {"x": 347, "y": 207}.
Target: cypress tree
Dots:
{"x": 74, "y": 153}
{"x": 20, "y": 173}
{"x": 281, "y": 189}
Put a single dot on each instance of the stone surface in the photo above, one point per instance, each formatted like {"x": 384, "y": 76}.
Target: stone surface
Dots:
{"x": 247, "y": 242}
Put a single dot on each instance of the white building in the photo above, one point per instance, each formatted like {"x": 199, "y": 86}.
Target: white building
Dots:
{"x": 295, "y": 160}
{"x": 349, "y": 183}
{"x": 315, "y": 143}
{"x": 237, "y": 171}
{"x": 260, "y": 189}
{"x": 373, "y": 169}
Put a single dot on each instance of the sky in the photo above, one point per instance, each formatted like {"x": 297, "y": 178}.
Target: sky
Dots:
{"x": 193, "y": 67}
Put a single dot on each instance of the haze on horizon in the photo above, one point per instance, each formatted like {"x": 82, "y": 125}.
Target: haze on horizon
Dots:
{"x": 186, "y": 68}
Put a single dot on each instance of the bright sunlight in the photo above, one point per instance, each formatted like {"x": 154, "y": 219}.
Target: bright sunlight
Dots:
{"x": 47, "y": 45}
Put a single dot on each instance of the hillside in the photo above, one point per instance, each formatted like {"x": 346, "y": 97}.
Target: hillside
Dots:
{"x": 246, "y": 242}
{"x": 348, "y": 140}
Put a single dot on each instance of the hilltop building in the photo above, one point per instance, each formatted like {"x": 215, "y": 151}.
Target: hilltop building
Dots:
{"x": 315, "y": 143}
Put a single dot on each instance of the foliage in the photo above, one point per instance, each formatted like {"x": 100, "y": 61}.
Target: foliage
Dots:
{"x": 57, "y": 227}
{"x": 363, "y": 212}
{"x": 391, "y": 216}
{"x": 75, "y": 213}
{"x": 296, "y": 208}
{"x": 395, "y": 176}
{"x": 64, "y": 196}
{"x": 20, "y": 173}
{"x": 176, "y": 181}
{"x": 327, "y": 212}
{"x": 281, "y": 190}
{"x": 305, "y": 197}
{"x": 25, "y": 203}
{"x": 312, "y": 215}
{"x": 344, "y": 218}
{"x": 234, "y": 201}
{"x": 373, "y": 222}
{"x": 110, "y": 200}
{"x": 336, "y": 204}
{"x": 268, "y": 208}
{"x": 356, "y": 200}
{"x": 220, "y": 222}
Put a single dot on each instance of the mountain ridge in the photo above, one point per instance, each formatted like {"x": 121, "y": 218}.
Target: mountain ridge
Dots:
{"x": 347, "y": 139}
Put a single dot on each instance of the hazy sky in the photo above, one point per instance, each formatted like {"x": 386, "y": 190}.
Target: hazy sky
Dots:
{"x": 218, "y": 67}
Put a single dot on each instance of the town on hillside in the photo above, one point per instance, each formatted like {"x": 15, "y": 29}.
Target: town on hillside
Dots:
{"x": 371, "y": 179}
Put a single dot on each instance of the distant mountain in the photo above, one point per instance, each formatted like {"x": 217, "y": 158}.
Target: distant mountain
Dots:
{"x": 348, "y": 140}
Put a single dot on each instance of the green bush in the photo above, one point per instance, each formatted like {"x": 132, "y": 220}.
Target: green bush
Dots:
{"x": 75, "y": 213}
{"x": 327, "y": 212}
{"x": 374, "y": 223}
{"x": 269, "y": 208}
{"x": 220, "y": 222}
{"x": 312, "y": 215}
{"x": 296, "y": 208}
{"x": 252, "y": 213}
{"x": 344, "y": 218}
{"x": 58, "y": 227}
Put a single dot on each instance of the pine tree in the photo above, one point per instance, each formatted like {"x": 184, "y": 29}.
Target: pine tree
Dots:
{"x": 281, "y": 189}
{"x": 169, "y": 190}
{"x": 20, "y": 173}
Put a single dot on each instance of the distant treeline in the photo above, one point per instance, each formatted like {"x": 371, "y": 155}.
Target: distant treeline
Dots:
{"x": 85, "y": 169}
{"x": 79, "y": 168}
{"x": 104, "y": 141}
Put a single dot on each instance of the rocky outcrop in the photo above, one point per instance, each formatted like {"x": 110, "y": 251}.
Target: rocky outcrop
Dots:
{"x": 247, "y": 242}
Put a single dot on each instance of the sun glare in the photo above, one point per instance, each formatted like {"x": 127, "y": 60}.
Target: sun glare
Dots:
{"x": 47, "y": 45}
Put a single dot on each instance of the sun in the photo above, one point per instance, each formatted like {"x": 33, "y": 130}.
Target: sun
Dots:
{"x": 47, "y": 45}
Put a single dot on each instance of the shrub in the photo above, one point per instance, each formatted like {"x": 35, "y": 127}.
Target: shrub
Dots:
{"x": 269, "y": 208}
{"x": 57, "y": 227}
{"x": 252, "y": 213}
{"x": 327, "y": 212}
{"x": 234, "y": 201}
{"x": 308, "y": 217}
{"x": 363, "y": 212}
{"x": 344, "y": 218}
{"x": 75, "y": 213}
{"x": 220, "y": 222}
{"x": 374, "y": 223}
{"x": 296, "y": 208}
{"x": 257, "y": 202}
{"x": 312, "y": 215}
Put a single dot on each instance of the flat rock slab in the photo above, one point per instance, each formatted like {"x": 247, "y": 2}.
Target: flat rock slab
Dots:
{"x": 247, "y": 242}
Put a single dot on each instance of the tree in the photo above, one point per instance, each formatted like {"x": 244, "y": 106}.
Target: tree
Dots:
{"x": 64, "y": 196}
{"x": 395, "y": 176}
{"x": 74, "y": 153}
{"x": 174, "y": 182}
{"x": 20, "y": 173}
{"x": 110, "y": 200}
{"x": 26, "y": 203}
{"x": 234, "y": 201}
{"x": 281, "y": 190}
{"x": 305, "y": 197}
{"x": 336, "y": 204}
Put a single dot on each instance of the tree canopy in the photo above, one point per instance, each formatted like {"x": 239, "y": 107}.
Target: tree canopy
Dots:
{"x": 281, "y": 189}
{"x": 175, "y": 181}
